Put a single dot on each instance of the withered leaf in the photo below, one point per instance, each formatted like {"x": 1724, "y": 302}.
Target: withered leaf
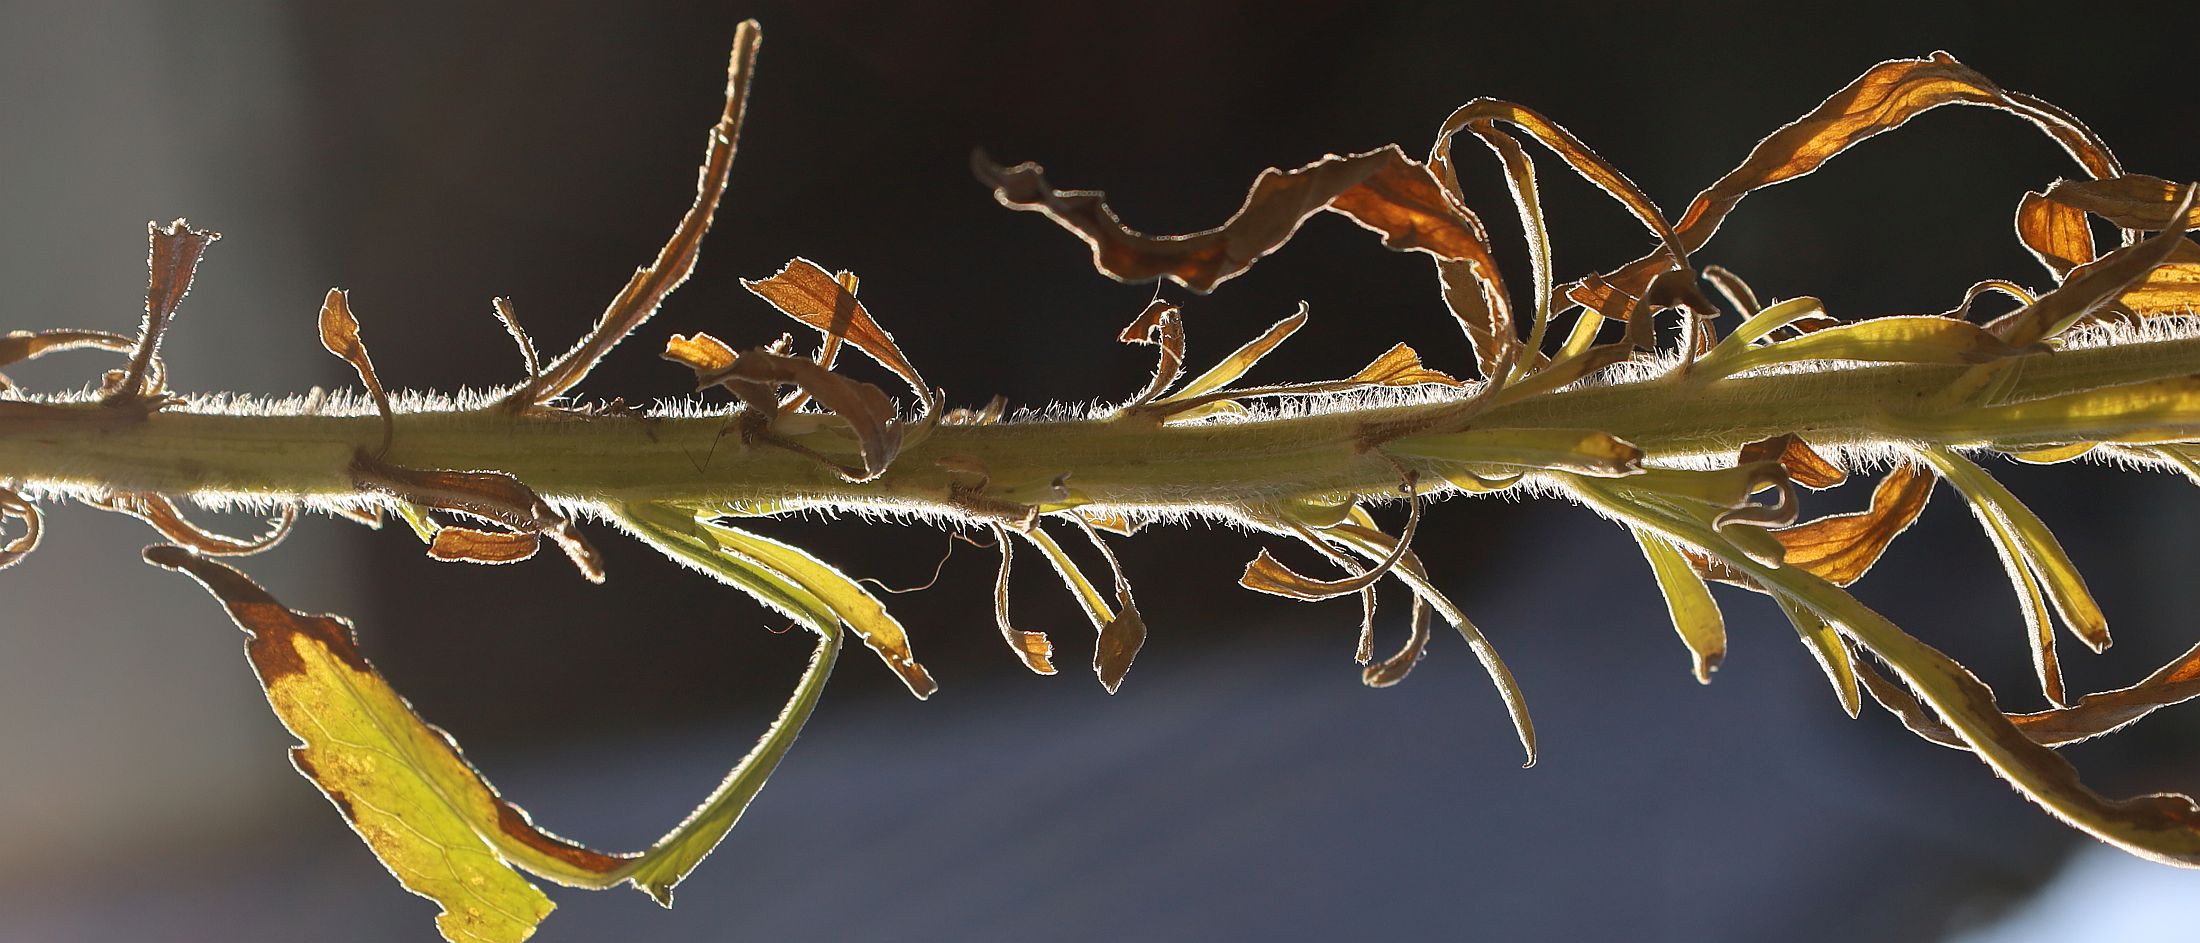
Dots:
{"x": 510, "y": 320}
{"x": 2092, "y": 285}
{"x": 1394, "y": 669}
{"x": 2092, "y": 716}
{"x": 702, "y": 353}
{"x": 483, "y": 546}
{"x": 1400, "y": 366}
{"x": 162, "y": 515}
{"x": 1382, "y": 190}
{"x": 1804, "y": 465}
{"x": 340, "y": 335}
{"x": 2131, "y": 201}
{"x": 490, "y": 495}
{"x": 172, "y": 259}
{"x": 652, "y": 283}
{"x": 18, "y": 346}
{"x": 1119, "y": 642}
{"x": 1239, "y": 361}
{"x": 1885, "y": 97}
{"x": 866, "y": 408}
{"x": 809, "y": 294}
{"x": 2055, "y": 233}
{"x": 1162, "y": 326}
{"x": 1840, "y": 548}
{"x": 13, "y": 507}
{"x": 401, "y": 784}
{"x": 1032, "y": 648}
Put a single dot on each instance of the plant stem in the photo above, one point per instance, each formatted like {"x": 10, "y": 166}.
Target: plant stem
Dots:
{"x": 1125, "y": 462}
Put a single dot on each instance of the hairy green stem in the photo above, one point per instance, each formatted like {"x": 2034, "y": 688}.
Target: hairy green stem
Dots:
{"x": 1127, "y": 462}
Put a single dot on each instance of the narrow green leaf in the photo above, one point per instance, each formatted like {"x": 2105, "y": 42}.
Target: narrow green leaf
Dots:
{"x": 1695, "y": 614}
{"x": 2028, "y": 537}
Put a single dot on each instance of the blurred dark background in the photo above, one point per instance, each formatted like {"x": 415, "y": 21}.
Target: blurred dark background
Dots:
{"x": 428, "y": 156}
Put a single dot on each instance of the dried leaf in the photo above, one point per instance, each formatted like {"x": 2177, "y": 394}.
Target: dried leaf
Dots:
{"x": 2131, "y": 201}
{"x": 13, "y": 507}
{"x": 811, "y": 295}
{"x": 172, "y": 259}
{"x": 1400, "y": 366}
{"x": 1885, "y": 97}
{"x": 651, "y": 284}
{"x": 2055, "y": 233}
{"x": 1577, "y": 155}
{"x": 2172, "y": 288}
{"x": 702, "y": 353}
{"x": 1841, "y": 548}
{"x": 510, "y": 320}
{"x": 2091, "y": 285}
{"x": 163, "y": 516}
{"x": 340, "y": 335}
{"x": 1804, "y": 465}
{"x": 1695, "y": 614}
{"x": 1162, "y": 326}
{"x": 1032, "y": 648}
{"x": 489, "y": 495}
{"x": 866, "y": 409}
{"x": 483, "y": 546}
{"x": 1382, "y": 190}
{"x": 1120, "y": 634}
{"x": 1394, "y": 669}
{"x": 401, "y": 784}
{"x": 19, "y": 346}
{"x": 2092, "y": 716}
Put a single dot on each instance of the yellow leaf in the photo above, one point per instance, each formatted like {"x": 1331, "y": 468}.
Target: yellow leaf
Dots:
{"x": 400, "y": 783}
{"x": 1695, "y": 614}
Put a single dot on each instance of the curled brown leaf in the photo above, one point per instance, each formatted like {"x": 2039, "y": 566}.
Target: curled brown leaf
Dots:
{"x": 807, "y": 293}
{"x": 652, "y": 283}
{"x": 162, "y": 515}
{"x": 1382, "y": 190}
{"x": 172, "y": 260}
{"x": 2055, "y": 233}
{"x": 2092, "y": 716}
{"x": 483, "y": 546}
{"x": 1032, "y": 648}
{"x": 13, "y": 507}
{"x": 489, "y": 495}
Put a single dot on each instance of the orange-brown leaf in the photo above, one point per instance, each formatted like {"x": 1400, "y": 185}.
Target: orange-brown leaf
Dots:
{"x": 866, "y": 408}
{"x": 2094, "y": 715}
{"x": 1839, "y": 548}
{"x": 13, "y": 507}
{"x": 1032, "y": 648}
{"x": 489, "y": 495}
{"x": 701, "y": 353}
{"x": 2055, "y": 233}
{"x": 1885, "y": 97}
{"x": 1392, "y": 670}
{"x": 1400, "y": 366}
{"x": 2132, "y": 201}
{"x": 163, "y": 516}
{"x": 809, "y": 294}
{"x": 1803, "y": 464}
{"x": 340, "y": 335}
{"x": 1382, "y": 190}
{"x": 2092, "y": 285}
{"x": 483, "y": 546}
{"x": 1161, "y": 326}
{"x": 1119, "y": 642}
{"x": 651, "y": 284}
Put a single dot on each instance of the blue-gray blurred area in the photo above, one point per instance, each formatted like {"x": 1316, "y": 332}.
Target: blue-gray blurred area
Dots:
{"x": 1243, "y": 785}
